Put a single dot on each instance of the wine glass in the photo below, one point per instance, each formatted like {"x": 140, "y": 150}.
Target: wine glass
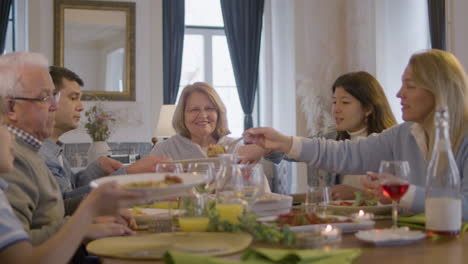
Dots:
{"x": 207, "y": 169}
{"x": 394, "y": 183}
{"x": 248, "y": 180}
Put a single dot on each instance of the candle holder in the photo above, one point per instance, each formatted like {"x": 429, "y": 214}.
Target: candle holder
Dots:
{"x": 324, "y": 238}
{"x": 362, "y": 216}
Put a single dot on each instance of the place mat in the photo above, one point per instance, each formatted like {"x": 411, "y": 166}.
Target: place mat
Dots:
{"x": 154, "y": 246}
{"x": 419, "y": 221}
{"x": 267, "y": 255}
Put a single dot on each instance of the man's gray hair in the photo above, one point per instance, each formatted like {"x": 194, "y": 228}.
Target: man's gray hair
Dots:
{"x": 11, "y": 65}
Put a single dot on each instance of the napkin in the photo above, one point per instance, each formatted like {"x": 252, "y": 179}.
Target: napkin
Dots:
{"x": 266, "y": 256}
{"x": 177, "y": 257}
{"x": 290, "y": 256}
{"x": 418, "y": 222}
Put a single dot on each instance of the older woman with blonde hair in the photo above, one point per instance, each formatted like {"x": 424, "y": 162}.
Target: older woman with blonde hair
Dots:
{"x": 432, "y": 79}
{"x": 200, "y": 122}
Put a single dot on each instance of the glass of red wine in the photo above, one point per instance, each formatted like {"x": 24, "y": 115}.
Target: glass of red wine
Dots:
{"x": 394, "y": 183}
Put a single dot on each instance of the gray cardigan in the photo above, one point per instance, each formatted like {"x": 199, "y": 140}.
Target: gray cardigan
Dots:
{"x": 396, "y": 143}
{"x": 34, "y": 194}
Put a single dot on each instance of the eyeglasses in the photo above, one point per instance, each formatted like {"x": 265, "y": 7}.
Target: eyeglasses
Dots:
{"x": 51, "y": 99}
{"x": 197, "y": 110}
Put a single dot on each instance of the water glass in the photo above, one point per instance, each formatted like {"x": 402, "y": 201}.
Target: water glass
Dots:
{"x": 195, "y": 214}
{"x": 317, "y": 199}
{"x": 248, "y": 181}
{"x": 170, "y": 168}
{"x": 207, "y": 169}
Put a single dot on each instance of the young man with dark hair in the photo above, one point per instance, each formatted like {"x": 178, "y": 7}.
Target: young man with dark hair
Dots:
{"x": 67, "y": 117}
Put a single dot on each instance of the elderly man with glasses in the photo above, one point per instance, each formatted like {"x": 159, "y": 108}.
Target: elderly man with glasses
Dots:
{"x": 32, "y": 191}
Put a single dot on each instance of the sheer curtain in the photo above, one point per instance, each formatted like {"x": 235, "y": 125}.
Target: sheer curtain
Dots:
{"x": 243, "y": 27}
{"x": 173, "y": 44}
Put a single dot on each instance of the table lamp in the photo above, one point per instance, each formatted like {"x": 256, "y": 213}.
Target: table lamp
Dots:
{"x": 164, "y": 128}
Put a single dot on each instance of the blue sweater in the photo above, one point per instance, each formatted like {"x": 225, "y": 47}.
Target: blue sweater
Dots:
{"x": 396, "y": 143}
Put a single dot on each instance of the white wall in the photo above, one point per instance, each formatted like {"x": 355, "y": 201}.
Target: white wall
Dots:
{"x": 401, "y": 30}
{"x": 137, "y": 119}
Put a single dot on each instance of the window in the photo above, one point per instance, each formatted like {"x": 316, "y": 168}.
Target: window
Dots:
{"x": 10, "y": 44}
{"x": 206, "y": 57}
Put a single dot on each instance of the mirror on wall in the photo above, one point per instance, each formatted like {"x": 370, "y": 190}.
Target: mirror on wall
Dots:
{"x": 96, "y": 39}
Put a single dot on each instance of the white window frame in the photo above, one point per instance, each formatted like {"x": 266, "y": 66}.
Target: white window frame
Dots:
{"x": 208, "y": 33}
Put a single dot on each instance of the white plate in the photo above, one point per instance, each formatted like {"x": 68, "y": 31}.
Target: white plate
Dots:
{"x": 349, "y": 227}
{"x": 272, "y": 204}
{"x": 390, "y": 237}
{"x": 349, "y": 209}
{"x": 189, "y": 180}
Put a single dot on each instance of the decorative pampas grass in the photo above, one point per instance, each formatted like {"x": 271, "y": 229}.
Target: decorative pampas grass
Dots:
{"x": 315, "y": 96}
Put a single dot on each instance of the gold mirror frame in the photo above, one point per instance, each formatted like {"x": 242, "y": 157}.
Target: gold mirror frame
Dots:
{"x": 129, "y": 8}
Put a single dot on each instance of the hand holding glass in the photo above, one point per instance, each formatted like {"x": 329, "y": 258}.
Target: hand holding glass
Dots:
{"x": 394, "y": 183}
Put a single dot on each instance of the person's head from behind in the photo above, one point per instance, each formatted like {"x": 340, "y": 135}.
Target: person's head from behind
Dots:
{"x": 6, "y": 143}
{"x": 200, "y": 112}
{"x": 29, "y": 92}
{"x": 69, "y": 107}
{"x": 359, "y": 102}
{"x": 433, "y": 79}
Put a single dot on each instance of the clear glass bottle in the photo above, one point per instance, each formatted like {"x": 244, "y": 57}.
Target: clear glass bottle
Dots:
{"x": 443, "y": 187}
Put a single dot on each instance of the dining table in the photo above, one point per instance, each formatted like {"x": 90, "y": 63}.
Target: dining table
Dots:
{"x": 453, "y": 250}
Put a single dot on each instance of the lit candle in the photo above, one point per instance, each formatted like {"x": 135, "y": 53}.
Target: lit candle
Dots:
{"x": 331, "y": 233}
{"x": 361, "y": 215}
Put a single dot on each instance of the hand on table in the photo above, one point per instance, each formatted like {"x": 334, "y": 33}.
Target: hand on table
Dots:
{"x": 124, "y": 217}
{"x": 96, "y": 231}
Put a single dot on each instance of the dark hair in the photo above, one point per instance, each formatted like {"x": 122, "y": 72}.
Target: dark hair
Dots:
{"x": 58, "y": 73}
{"x": 368, "y": 91}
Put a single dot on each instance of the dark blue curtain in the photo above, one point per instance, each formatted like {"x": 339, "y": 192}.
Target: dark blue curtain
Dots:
{"x": 173, "y": 44}
{"x": 5, "y": 6}
{"x": 436, "y": 9}
{"x": 243, "y": 26}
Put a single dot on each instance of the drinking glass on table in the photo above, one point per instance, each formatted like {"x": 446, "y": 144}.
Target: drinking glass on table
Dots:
{"x": 394, "y": 183}
{"x": 170, "y": 168}
{"x": 195, "y": 214}
{"x": 207, "y": 169}
{"x": 248, "y": 180}
{"x": 317, "y": 199}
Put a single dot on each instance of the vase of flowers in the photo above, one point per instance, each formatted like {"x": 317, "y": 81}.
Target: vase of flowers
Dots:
{"x": 98, "y": 127}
